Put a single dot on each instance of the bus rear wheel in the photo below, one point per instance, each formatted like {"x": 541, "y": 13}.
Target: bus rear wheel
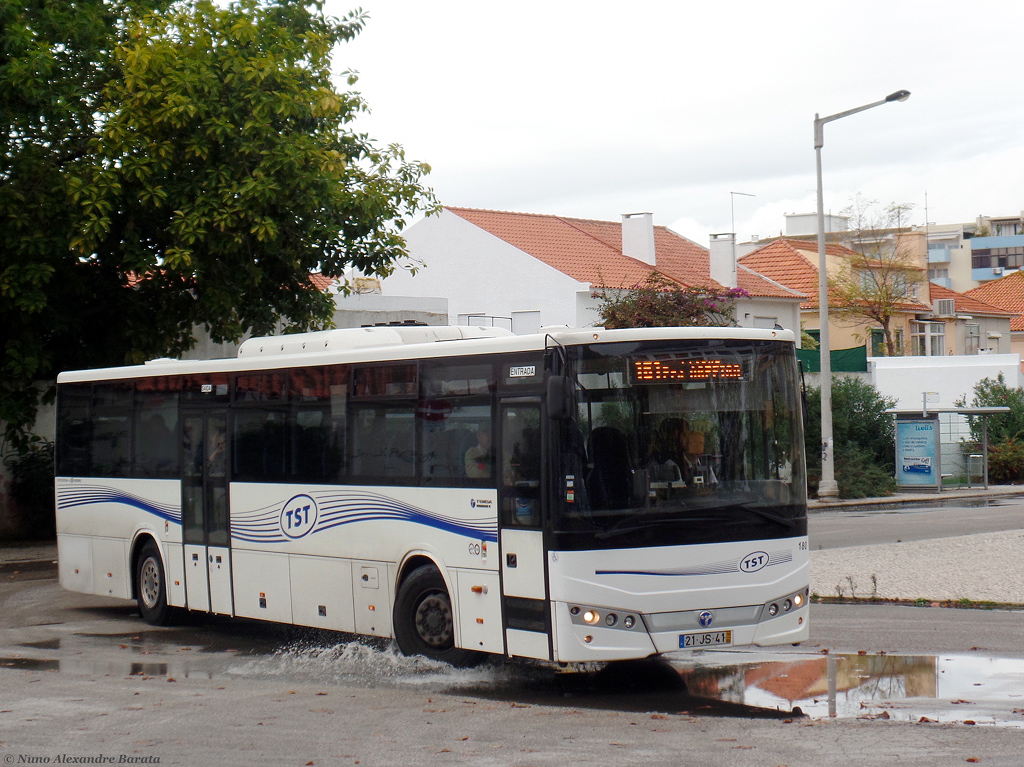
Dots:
{"x": 151, "y": 588}
{"x": 424, "y": 622}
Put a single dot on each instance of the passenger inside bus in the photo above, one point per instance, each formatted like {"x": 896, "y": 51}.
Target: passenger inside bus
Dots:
{"x": 479, "y": 457}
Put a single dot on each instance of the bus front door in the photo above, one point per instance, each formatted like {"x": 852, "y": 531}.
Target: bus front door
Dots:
{"x": 204, "y": 506}
{"x": 523, "y": 571}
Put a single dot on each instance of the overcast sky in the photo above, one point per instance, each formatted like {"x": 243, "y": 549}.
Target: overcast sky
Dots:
{"x": 593, "y": 109}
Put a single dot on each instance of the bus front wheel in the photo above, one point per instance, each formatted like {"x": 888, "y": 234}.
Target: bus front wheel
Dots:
{"x": 424, "y": 622}
{"x": 151, "y": 588}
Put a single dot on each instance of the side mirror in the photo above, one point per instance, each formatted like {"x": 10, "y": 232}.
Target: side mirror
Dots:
{"x": 559, "y": 397}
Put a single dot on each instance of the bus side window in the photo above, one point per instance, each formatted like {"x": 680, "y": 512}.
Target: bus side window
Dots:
{"x": 74, "y": 429}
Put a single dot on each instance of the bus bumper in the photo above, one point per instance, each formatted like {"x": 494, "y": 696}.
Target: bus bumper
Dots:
{"x": 598, "y": 634}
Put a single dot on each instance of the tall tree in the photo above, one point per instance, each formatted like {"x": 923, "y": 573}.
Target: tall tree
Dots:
{"x": 881, "y": 278}
{"x": 660, "y": 302}
{"x": 167, "y": 165}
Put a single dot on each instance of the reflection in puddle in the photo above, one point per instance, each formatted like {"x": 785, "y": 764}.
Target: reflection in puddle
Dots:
{"x": 30, "y": 664}
{"x": 46, "y": 644}
{"x": 945, "y": 688}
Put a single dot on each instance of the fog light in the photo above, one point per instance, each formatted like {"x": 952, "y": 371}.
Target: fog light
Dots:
{"x": 611, "y": 619}
{"x": 787, "y": 606}
{"x": 773, "y": 609}
{"x": 798, "y": 600}
{"x": 574, "y": 610}
{"x": 588, "y": 639}
{"x": 629, "y": 621}
{"x": 591, "y": 617}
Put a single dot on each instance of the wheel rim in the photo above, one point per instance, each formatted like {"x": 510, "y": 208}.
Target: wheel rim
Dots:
{"x": 433, "y": 621}
{"x": 149, "y": 582}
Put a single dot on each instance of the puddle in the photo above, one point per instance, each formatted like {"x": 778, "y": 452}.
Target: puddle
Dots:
{"x": 933, "y": 688}
{"x": 30, "y": 664}
{"x": 939, "y": 688}
{"x": 46, "y": 644}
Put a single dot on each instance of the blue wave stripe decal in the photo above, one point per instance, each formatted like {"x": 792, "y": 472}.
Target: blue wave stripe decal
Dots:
{"x": 89, "y": 495}
{"x": 263, "y": 525}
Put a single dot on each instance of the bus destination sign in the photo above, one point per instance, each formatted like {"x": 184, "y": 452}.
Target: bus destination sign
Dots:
{"x": 688, "y": 370}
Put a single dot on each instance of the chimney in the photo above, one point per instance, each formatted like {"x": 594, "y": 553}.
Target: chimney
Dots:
{"x": 638, "y": 237}
{"x": 723, "y": 259}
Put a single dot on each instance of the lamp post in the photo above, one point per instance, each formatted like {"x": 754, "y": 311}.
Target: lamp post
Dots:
{"x": 732, "y": 221}
{"x": 827, "y": 487}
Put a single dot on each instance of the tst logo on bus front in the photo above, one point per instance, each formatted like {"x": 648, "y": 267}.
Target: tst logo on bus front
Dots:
{"x": 298, "y": 517}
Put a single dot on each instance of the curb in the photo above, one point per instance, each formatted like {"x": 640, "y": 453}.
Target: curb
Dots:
{"x": 27, "y": 565}
{"x": 906, "y": 499}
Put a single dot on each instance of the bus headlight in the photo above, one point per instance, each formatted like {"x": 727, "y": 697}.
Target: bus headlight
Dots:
{"x": 597, "y": 616}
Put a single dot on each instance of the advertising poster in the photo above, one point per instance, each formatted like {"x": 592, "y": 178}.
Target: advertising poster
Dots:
{"x": 917, "y": 462}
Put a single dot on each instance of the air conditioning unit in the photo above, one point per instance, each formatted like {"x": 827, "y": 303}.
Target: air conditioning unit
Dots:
{"x": 945, "y": 307}
{"x": 997, "y": 270}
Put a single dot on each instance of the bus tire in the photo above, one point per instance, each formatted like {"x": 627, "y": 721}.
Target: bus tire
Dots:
{"x": 424, "y": 621}
{"x": 151, "y": 586}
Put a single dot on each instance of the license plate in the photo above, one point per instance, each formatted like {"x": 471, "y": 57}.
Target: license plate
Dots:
{"x": 705, "y": 639}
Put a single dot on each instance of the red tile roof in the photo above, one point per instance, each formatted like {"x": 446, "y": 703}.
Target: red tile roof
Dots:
{"x": 591, "y": 251}
{"x": 322, "y": 282}
{"x": 1006, "y": 293}
{"x": 786, "y": 264}
{"x": 966, "y": 303}
{"x": 568, "y": 245}
{"x": 794, "y": 263}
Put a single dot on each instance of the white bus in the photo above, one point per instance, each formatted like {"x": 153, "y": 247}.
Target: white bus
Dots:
{"x": 570, "y": 496}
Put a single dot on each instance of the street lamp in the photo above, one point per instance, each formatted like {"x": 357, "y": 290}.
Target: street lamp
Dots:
{"x": 827, "y": 487}
{"x": 732, "y": 221}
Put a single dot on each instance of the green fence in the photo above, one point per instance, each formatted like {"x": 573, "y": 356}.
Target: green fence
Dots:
{"x": 853, "y": 360}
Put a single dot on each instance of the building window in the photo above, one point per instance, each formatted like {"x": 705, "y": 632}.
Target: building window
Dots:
{"x": 877, "y": 348}
{"x": 972, "y": 339}
{"x": 928, "y": 339}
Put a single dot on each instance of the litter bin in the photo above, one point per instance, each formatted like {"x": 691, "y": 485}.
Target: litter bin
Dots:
{"x": 975, "y": 468}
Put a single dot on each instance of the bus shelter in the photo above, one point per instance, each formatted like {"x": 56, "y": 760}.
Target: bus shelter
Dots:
{"x": 918, "y": 452}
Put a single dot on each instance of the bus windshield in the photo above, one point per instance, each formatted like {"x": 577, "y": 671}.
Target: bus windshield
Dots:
{"x": 681, "y": 442}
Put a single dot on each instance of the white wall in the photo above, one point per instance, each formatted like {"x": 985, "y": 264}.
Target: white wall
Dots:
{"x": 953, "y": 377}
{"x": 479, "y": 273}
{"x": 786, "y": 312}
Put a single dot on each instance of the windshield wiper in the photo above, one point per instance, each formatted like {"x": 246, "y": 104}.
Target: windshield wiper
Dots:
{"x": 758, "y": 512}
{"x": 620, "y": 528}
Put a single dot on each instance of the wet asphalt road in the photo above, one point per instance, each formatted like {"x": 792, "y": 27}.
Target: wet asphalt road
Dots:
{"x": 83, "y": 676}
{"x": 868, "y": 526}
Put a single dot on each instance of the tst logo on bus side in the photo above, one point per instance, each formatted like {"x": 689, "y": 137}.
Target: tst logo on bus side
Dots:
{"x": 298, "y": 517}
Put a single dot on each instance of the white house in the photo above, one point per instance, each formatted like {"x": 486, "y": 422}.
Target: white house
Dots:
{"x": 523, "y": 271}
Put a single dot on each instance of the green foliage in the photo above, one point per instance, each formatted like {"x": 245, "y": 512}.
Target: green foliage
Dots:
{"x": 1006, "y": 462}
{"x": 1005, "y": 430}
{"x": 1001, "y": 426}
{"x": 166, "y": 165}
{"x": 864, "y": 437}
{"x": 660, "y": 302}
{"x": 32, "y": 488}
{"x": 859, "y": 475}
